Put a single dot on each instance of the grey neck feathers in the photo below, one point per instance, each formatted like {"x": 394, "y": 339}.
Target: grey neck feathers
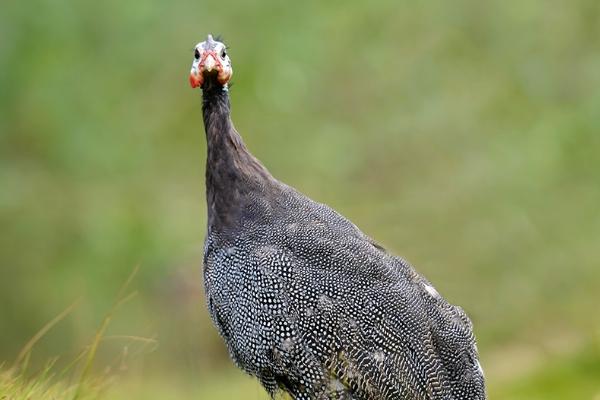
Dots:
{"x": 233, "y": 175}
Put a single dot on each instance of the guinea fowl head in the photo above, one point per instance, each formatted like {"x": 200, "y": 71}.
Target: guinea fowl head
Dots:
{"x": 211, "y": 64}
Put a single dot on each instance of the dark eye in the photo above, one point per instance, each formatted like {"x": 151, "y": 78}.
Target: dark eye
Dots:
{"x": 197, "y": 54}
{"x": 223, "y": 54}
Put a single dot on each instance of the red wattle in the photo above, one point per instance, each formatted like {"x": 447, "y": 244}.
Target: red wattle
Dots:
{"x": 195, "y": 80}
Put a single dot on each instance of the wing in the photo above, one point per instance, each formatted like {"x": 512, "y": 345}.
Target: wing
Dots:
{"x": 407, "y": 344}
{"x": 378, "y": 328}
{"x": 313, "y": 307}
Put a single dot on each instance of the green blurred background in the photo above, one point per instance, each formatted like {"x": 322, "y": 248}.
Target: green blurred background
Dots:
{"x": 463, "y": 135}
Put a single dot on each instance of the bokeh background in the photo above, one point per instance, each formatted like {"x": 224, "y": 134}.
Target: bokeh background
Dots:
{"x": 463, "y": 135}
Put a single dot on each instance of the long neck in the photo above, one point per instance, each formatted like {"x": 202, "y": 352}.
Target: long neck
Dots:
{"x": 232, "y": 173}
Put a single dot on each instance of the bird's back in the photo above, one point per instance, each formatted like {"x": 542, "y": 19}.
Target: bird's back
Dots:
{"x": 309, "y": 304}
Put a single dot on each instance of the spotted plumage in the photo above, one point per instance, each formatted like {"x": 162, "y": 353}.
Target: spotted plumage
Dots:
{"x": 309, "y": 304}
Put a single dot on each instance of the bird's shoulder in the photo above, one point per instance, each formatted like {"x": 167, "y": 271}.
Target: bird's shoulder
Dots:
{"x": 287, "y": 227}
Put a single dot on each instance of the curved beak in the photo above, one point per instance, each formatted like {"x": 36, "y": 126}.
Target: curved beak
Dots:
{"x": 209, "y": 63}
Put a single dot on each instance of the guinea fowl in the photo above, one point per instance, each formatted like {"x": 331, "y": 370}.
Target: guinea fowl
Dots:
{"x": 304, "y": 300}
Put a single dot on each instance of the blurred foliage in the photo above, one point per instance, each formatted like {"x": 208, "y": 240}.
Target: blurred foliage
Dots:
{"x": 575, "y": 377}
{"x": 462, "y": 135}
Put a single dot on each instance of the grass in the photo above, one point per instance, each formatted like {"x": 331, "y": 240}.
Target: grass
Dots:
{"x": 46, "y": 385}
{"x": 76, "y": 380}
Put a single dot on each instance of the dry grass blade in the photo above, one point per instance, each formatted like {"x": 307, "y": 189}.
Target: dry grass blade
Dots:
{"x": 93, "y": 348}
{"x": 23, "y": 357}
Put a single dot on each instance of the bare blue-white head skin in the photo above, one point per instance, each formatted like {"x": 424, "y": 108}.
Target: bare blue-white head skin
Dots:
{"x": 210, "y": 59}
